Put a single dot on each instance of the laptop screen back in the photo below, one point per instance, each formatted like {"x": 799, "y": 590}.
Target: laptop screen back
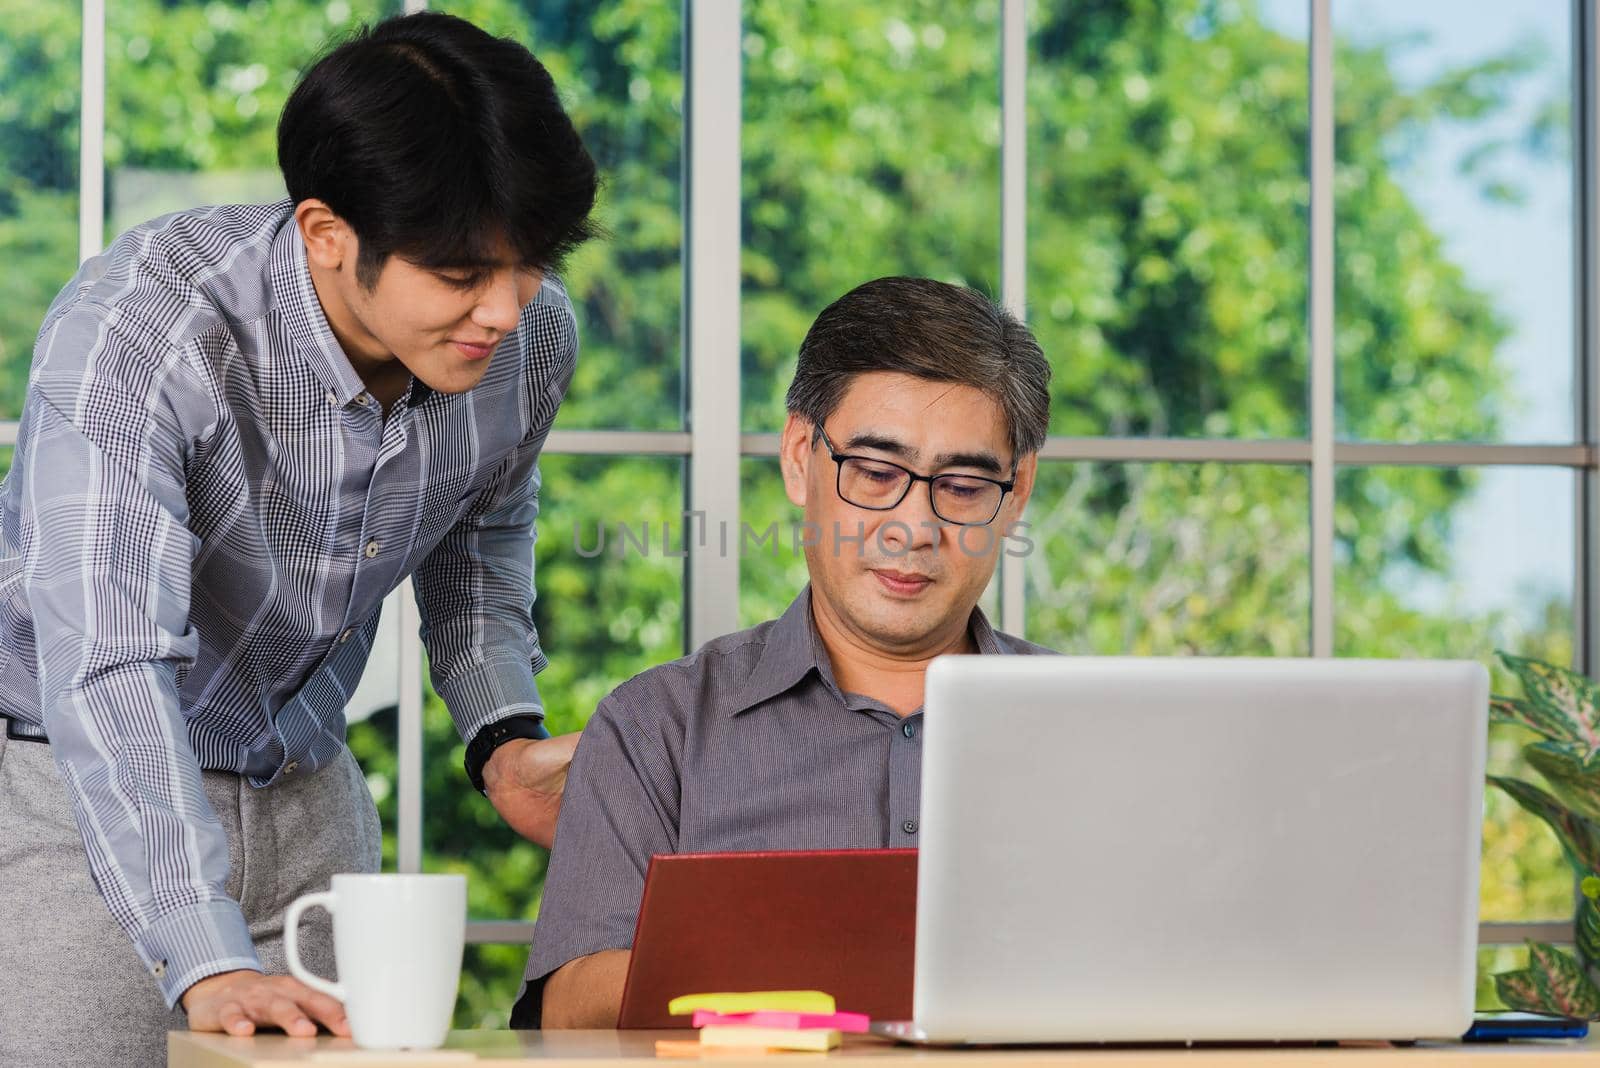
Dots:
{"x": 1177, "y": 849}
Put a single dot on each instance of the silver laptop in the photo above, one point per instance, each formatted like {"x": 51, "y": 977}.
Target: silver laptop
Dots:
{"x": 1138, "y": 850}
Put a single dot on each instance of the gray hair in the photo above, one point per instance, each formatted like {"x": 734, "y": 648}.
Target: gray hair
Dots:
{"x": 933, "y": 330}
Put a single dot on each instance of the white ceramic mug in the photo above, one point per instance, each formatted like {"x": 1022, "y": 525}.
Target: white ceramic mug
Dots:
{"x": 397, "y": 943}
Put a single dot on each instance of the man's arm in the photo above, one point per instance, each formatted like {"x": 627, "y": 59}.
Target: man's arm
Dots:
{"x": 106, "y": 557}
{"x": 620, "y": 808}
{"x": 587, "y": 992}
{"x": 236, "y": 1002}
{"x": 524, "y": 780}
{"x": 475, "y": 592}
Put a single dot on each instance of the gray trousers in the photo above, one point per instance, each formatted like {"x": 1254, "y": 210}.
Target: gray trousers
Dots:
{"x": 72, "y": 989}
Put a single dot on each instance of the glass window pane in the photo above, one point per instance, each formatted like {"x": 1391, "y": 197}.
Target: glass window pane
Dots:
{"x": 772, "y": 565}
{"x": 490, "y": 976}
{"x": 193, "y": 92}
{"x": 871, "y": 147}
{"x": 40, "y": 80}
{"x": 1455, "y": 224}
{"x": 373, "y": 734}
{"x": 1170, "y": 558}
{"x": 1167, "y": 208}
{"x": 604, "y": 614}
{"x": 1456, "y": 563}
{"x": 620, "y": 74}
{"x": 372, "y": 716}
{"x": 609, "y": 605}
{"x": 607, "y": 610}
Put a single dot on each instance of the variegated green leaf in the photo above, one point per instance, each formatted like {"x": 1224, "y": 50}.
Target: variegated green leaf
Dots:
{"x": 1575, "y": 779}
{"x": 1527, "y": 714}
{"x": 1561, "y": 695}
{"x": 1551, "y": 983}
{"x": 1580, "y": 837}
{"x": 1562, "y": 983}
{"x": 1519, "y": 991}
{"x": 1586, "y": 931}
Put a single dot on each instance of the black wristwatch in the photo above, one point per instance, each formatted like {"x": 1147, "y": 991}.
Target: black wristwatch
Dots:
{"x": 493, "y": 737}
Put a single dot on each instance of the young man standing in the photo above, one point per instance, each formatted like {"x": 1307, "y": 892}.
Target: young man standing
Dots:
{"x": 243, "y": 427}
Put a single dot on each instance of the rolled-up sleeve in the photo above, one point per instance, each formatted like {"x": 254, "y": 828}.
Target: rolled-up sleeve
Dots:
{"x": 106, "y": 558}
{"x": 619, "y": 809}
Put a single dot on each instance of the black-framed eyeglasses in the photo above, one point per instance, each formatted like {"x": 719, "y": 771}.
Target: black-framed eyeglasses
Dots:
{"x": 878, "y": 485}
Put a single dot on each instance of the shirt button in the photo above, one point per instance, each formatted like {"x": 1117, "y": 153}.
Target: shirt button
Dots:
{"x": 372, "y": 548}
{"x": 909, "y": 730}
{"x": 333, "y": 399}
{"x": 344, "y": 637}
{"x": 363, "y": 400}
{"x": 159, "y": 969}
{"x": 909, "y": 826}
{"x": 290, "y": 769}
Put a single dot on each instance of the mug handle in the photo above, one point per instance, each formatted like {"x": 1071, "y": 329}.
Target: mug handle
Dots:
{"x": 291, "y": 941}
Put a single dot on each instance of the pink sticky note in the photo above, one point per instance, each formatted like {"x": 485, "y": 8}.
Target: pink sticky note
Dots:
{"x": 849, "y": 1022}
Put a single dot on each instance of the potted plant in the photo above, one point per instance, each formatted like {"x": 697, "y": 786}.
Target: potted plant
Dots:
{"x": 1563, "y": 708}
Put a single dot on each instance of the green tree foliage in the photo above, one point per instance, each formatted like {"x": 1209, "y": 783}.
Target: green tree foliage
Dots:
{"x": 1167, "y": 279}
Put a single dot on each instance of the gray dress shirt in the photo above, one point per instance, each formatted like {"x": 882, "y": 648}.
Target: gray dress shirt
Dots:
{"x": 205, "y": 511}
{"x": 748, "y": 744}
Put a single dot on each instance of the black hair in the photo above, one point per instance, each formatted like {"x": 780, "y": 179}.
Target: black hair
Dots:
{"x": 434, "y": 140}
{"x": 933, "y": 330}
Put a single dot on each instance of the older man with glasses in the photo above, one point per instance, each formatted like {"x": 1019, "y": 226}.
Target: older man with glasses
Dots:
{"x": 804, "y": 732}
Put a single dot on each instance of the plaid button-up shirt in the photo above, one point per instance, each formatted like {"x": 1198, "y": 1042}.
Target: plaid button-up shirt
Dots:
{"x": 204, "y": 512}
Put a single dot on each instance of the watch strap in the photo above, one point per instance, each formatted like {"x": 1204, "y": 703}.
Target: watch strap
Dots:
{"x": 492, "y": 737}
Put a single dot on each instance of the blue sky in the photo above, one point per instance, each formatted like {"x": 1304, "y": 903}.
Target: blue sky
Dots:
{"x": 1514, "y": 540}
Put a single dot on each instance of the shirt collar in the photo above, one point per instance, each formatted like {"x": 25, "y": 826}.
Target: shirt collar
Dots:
{"x": 296, "y": 298}
{"x": 794, "y": 649}
{"x": 983, "y": 635}
{"x": 789, "y": 655}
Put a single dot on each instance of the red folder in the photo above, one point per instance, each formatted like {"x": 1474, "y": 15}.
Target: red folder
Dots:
{"x": 841, "y": 921}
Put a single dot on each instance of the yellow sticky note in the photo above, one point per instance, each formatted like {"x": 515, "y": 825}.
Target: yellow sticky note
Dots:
{"x": 818, "y": 1039}
{"x": 754, "y": 1001}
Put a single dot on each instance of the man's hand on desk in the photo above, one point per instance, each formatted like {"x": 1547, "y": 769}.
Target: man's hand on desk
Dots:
{"x": 524, "y": 779}
{"x": 236, "y": 1002}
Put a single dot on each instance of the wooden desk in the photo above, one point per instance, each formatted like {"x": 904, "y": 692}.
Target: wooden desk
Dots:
{"x": 633, "y": 1049}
